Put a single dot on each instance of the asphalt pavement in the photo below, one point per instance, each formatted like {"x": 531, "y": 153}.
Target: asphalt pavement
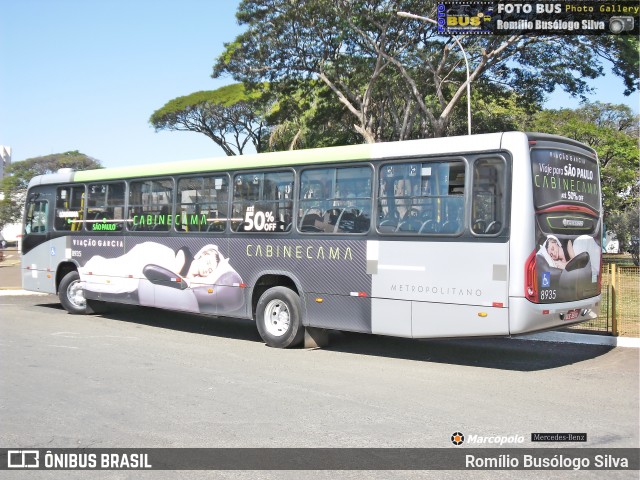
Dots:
{"x": 141, "y": 377}
{"x": 10, "y": 269}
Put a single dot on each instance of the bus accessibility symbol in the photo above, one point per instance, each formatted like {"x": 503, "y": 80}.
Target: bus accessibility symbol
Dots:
{"x": 546, "y": 279}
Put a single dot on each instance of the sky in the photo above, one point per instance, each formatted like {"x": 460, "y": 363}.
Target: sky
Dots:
{"x": 87, "y": 74}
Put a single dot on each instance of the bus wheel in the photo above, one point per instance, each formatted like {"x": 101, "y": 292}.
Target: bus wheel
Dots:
{"x": 71, "y": 294}
{"x": 279, "y": 319}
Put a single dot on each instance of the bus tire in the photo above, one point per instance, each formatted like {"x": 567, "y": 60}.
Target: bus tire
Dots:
{"x": 71, "y": 294}
{"x": 279, "y": 318}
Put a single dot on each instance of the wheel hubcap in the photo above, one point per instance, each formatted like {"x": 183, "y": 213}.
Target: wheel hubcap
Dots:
{"x": 277, "y": 318}
{"x": 75, "y": 294}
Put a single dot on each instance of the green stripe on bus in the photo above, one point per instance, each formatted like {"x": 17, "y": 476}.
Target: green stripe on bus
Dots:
{"x": 262, "y": 160}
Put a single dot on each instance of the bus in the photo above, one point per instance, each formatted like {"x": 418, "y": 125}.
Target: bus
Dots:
{"x": 486, "y": 235}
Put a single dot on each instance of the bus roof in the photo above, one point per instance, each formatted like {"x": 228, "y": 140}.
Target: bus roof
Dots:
{"x": 350, "y": 153}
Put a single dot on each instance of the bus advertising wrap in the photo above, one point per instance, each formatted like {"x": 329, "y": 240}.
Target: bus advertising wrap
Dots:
{"x": 155, "y": 274}
{"x": 566, "y": 191}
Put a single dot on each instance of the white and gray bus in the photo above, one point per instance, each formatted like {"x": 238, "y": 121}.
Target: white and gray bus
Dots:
{"x": 485, "y": 235}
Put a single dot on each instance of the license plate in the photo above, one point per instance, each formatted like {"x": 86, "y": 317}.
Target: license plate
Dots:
{"x": 572, "y": 314}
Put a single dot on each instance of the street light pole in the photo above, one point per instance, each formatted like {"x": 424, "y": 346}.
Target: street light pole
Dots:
{"x": 464, "y": 54}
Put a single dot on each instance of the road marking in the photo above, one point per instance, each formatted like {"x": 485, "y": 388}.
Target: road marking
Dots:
{"x": 65, "y": 334}
{"x": 64, "y": 346}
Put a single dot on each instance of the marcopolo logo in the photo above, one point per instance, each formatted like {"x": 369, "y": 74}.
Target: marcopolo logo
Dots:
{"x": 457, "y": 438}
{"x": 495, "y": 439}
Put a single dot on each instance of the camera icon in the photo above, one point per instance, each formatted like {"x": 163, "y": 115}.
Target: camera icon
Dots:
{"x": 621, "y": 24}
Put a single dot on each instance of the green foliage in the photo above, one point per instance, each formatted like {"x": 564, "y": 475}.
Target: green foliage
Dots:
{"x": 493, "y": 109}
{"x": 307, "y": 115}
{"x": 18, "y": 174}
{"x": 395, "y": 77}
{"x": 612, "y": 130}
{"x": 622, "y": 52}
{"x": 231, "y": 116}
{"x": 626, "y": 224}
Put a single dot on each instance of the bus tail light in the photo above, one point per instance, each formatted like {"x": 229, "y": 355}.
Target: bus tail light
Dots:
{"x": 530, "y": 279}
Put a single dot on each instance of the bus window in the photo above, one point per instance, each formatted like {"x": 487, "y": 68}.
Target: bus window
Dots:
{"x": 150, "y": 203}
{"x": 335, "y": 200}
{"x": 422, "y": 198}
{"x": 202, "y": 204}
{"x": 36, "y": 217}
{"x": 69, "y": 208}
{"x": 488, "y": 203}
{"x": 262, "y": 202}
{"x": 105, "y": 207}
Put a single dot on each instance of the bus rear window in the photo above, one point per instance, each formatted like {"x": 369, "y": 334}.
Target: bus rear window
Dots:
{"x": 564, "y": 178}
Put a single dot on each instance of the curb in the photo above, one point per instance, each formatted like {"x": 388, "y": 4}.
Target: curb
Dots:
{"x": 584, "y": 338}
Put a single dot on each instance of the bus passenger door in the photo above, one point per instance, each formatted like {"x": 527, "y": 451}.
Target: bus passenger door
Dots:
{"x": 36, "y": 257}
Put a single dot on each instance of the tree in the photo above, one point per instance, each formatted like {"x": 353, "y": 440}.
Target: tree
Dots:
{"x": 231, "y": 116}
{"x": 494, "y": 110}
{"x": 622, "y": 52}
{"x": 396, "y": 77}
{"x": 307, "y": 115}
{"x": 612, "y": 131}
{"x": 626, "y": 224}
{"x": 14, "y": 184}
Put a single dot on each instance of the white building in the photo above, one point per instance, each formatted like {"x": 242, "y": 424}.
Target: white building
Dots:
{"x": 5, "y": 159}
{"x": 611, "y": 243}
